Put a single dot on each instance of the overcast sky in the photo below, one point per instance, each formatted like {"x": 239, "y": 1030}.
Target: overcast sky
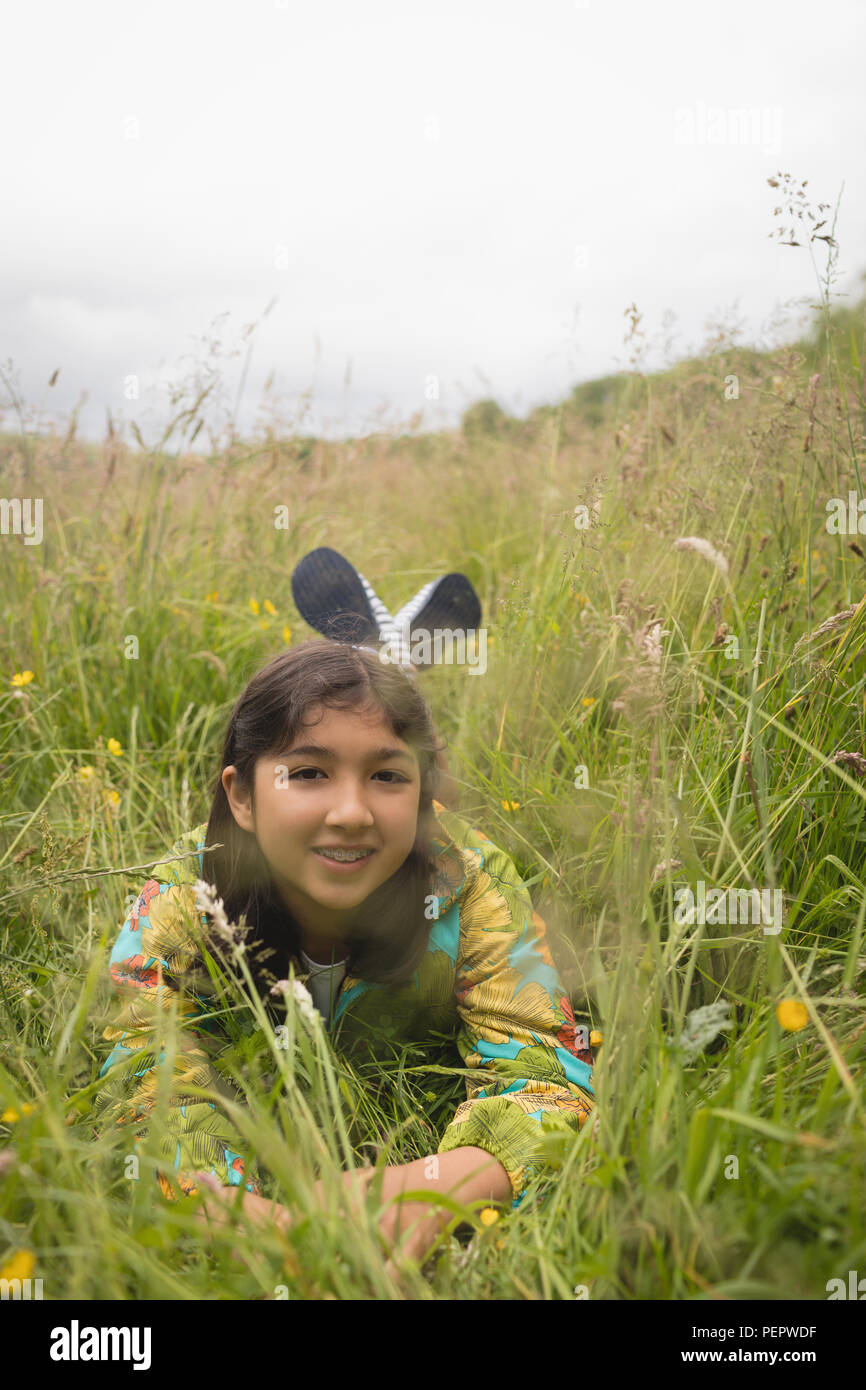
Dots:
{"x": 459, "y": 198}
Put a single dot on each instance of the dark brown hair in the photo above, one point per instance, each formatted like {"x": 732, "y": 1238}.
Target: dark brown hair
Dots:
{"x": 389, "y": 934}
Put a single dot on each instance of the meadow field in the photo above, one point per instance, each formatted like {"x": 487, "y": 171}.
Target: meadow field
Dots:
{"x": 654, "y": 717}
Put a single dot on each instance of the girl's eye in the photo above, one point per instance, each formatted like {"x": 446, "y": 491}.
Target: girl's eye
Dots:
{"x": 386, "y": 772}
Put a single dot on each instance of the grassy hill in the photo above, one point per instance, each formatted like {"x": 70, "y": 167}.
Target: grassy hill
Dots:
{"x": 713, "y": 697}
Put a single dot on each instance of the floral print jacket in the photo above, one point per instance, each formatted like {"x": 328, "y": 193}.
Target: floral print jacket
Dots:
{"x": 487, "y": 979}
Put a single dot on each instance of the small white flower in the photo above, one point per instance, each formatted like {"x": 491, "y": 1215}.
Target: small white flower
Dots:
{"x": 702, "y": 1025}
{"x": 301, "y": 995}
{"x": 207, "y": 901}
{"x": 304, "y": 1001}
{"x": 702, "y": 547}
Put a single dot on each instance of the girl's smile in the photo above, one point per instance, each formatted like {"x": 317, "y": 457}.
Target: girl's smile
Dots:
{"x": 346, "y": 783}
{"x": 347, "y": 864}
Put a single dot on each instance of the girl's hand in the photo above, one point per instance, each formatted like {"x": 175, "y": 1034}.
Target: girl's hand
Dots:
{"x": 423, "y": 1231}
{"x": 412, "y": 1226}
{"x": 416, "y": 1224}
{"x": 214, "y": 1210}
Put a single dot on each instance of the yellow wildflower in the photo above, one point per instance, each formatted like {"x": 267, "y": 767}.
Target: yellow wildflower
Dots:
{"x": 22, "y": 678}
{"x": 86, "y": 774}
{"x": 511, "y": 805}
{"x": 212, "y": 597}
{"x": 112, "y": 797}
{"x": 254, "y": 606}
{"x": 12, "y": 1116}
{"x": 20, "y": 1266}
{"x": 114, "y": 747}
{"x": 792, "y": 1015}
{"x": 269, "y": 607}
{"x": 287, "y": 635}
{"x": 263, "y": 622}
{"x": 488, "y": 1215}
{"x": 588, "y": 701}
{"x": 595, "y": 1038}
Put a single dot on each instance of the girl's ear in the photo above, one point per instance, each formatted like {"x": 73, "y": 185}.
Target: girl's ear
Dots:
{"x": 239, "y": 799}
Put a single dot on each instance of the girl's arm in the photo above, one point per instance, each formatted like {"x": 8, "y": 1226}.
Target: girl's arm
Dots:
{"x": 516, "y": 1022}
{"x": 466, "y": 1174}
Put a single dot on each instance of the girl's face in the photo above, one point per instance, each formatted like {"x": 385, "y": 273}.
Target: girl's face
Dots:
{"x": 346, "y": 782}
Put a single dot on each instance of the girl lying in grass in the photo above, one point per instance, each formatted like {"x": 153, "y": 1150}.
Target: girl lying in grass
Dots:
{"x": 325, "y": 838}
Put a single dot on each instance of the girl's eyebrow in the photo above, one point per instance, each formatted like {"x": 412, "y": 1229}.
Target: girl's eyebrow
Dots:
{"x": 316, "y": 750}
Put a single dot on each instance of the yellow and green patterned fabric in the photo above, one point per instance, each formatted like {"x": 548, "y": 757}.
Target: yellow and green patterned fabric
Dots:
{"x": 487, "y": 979}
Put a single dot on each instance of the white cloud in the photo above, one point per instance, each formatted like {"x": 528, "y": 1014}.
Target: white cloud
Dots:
{"x": 411, "y": 184}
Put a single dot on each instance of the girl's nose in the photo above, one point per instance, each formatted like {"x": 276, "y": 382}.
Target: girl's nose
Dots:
{"x": 349, "y": 808}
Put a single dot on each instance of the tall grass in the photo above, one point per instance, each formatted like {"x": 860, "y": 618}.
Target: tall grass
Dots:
{"x": 728, "y": 1171}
